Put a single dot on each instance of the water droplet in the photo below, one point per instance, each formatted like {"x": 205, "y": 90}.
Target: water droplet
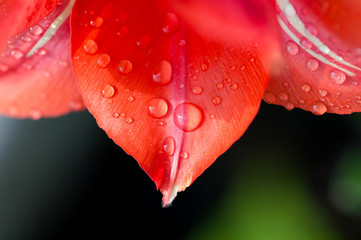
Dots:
{"x": 204, "y": 67}
{"x": 158, "y": 107}
{"x": 322, "y": 92}
{"x": 125, "y": 66}
{"x": 90, "y": 46}
{"x": 41, "y": 51}
{"x": 26, "y": 38}
{"x": 306, "y": 88}
{"x": 35, "y": 114}
{"x": 182, "y": 43}
{"x": 103, "y": 60}
{"x": 307, "y": 44}
{"x": 162, "y": 72}
{"x": 233, "y": 68}
{"x": 219, "y": 86}
{"x": 312, "y": 64}
{"x": 97, "y": 22}
{"x": 289, "y": 106}
{"x": 160, "y": 123}
{"x": 187, "y": 117}
{"x": 324, "y": 49}
{"x": 197, "y": 90}
{"x": 16, "y": 53}
{"x": 170, "y": 23}
{"x": 312, "y": 29}
{"x": 143, "y": 41}
{"x": 216, "y": 100}
{"x": 318, "y": 108}
{"x": 283, "y": 97}
{"x": 108, "y": 91}
{"x": 122, "y": 31}
{"x": 184, "y": 155}
{"x": 36, "y": 30}
{"x": 292, "y": 48}
{"x": 336, "y": 76}
{"x": 269, "y": 97}
{"x": 130, "y": 99}
{"x": 129, "y": 120}
{"x": 169, "y": 146}
{"x": 212, "y": 116}
{"x": 115, "y": 115}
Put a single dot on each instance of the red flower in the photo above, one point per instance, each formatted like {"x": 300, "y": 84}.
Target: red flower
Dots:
{"x": 175, "y": 83}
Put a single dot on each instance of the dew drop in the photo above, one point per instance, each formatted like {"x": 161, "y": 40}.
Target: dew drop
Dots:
{"x": 269, "y": 97}
{"x": 143, "y": 41}
{"x": 26, "y": 38}
{"x": 312, "y": 29}
{"x": 129, "y": 120}
{"x": 170, "y": 23}
{"x": 312, "y": 64}
{"x": 41, "y": 51}
{"x": 216, "y": 100}
{"x": 115, "y": 115}
{"x": 184, "y": 155}
{"x": 162, "y": 72}
{"x": 187, "y": 117}
{"x": 97, "y": 22}
{"x": 318, "y": 108}
{"x": 306, "y": 88}
{"x": 289, "y": 106}
{"x": 16, "y": 53}
{"x": 36, "y": 30}
{"x": 158, "y": 107}
{"x": 322, "y": 92}
{"x": 307, "y": 44}
{"x": 130, "y": 99}
{"x": 90, "y": 46}
{"x": 336, "y": 76}
{"x": 197, "y": 90}
{"x": 283, "y": 97}
{"x": 234, "y": 86}
{"x": 103, "y": 60}
{"x": 169, "y": 146}
{"x": 108, "y": 91}
{"x": 204, "y": 67}
{"x": 125, "y": 67}
{"x": 212, "y": 116}
{"x": 292, "y": 48}
{"x": 219, "y": 86}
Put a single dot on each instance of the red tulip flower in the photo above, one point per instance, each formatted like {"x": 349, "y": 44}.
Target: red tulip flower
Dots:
{"x": 176, "y": 82}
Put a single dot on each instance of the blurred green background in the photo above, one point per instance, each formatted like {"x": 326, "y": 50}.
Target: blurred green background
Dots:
{"x": 293, "y": 175}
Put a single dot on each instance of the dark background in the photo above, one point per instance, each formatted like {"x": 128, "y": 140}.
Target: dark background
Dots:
{"x": 293, "y": 175}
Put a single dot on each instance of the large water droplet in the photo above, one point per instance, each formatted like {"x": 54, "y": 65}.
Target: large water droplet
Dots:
{"x": 187, "y": 117}
{"x": 318, "y": 108}
{"x": 125, "y": 66}
{"x": 103, "y": 60}
{"x": 108, "y": 91}
{"x": 312, "y": 64}
{"x": 90, "y": 46}
{"x": 158, "y": 107}
{"x": 336, "y": 76}
{"x": 292, "y": 48}
{"x": 169, "y": 146}
{"x": 170, "y": 23}
{"x": 162, "y": 72}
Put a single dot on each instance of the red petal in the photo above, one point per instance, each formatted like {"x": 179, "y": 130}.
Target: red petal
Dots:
{"x": 40, "y": 85}
{"x": 167, "y": 96}
{"x": 17, "y": 15}
{"x": 321, "y": 72}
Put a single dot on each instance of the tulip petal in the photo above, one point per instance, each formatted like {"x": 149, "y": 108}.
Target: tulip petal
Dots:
{"x": 38, "y": 81}
{"x": 169, "y": 97}
{"x": 321, "y": 70}
{"x": 18, "y": 15}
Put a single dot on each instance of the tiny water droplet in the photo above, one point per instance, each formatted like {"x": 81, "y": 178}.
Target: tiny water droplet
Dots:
{"x": 36, "y": 30}
{"x": 108, "y": 91}
{"x": 130, "y": 99}
{"x": 143, "y": 41}
{"x": 90, "y": 46}
{"x": 283, "y": 97}
{"x": 125, "y": 67}
{"x": 289, "y": 106}
{"x": 312, "y": 29}
{"x": 336, "y": 76}
{"x": 307, "y": 44}
{"x": 16, "y": 53}
{"x": 158, "y": 107}
{"x": 187, "y": 117}
{"x": 212, "y": 116}
{"x": 115, "y": 115}
{"x": 162, "y": 72}
{"x": 318, "y": 108}
{"x": 219, "y": 86}
{"x": 306, "y": 88}
{"x": 322, "y": 92}
{"x": 216, "y": 100}
{"x": 169, "y": 146}
{"x": 184, "y": 155}
{"x": 129, "y": 120}
{"x": 103, "y": 60}
{"x": 204, "y": 67}
{"x": 234, "y": 86}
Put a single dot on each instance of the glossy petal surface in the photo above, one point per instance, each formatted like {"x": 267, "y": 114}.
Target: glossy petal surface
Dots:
{"x": 38, "y": 83}
{"x": 321, "y": 70}
{"x": 17, "y": 15}
{"x": 170, "y": 97}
